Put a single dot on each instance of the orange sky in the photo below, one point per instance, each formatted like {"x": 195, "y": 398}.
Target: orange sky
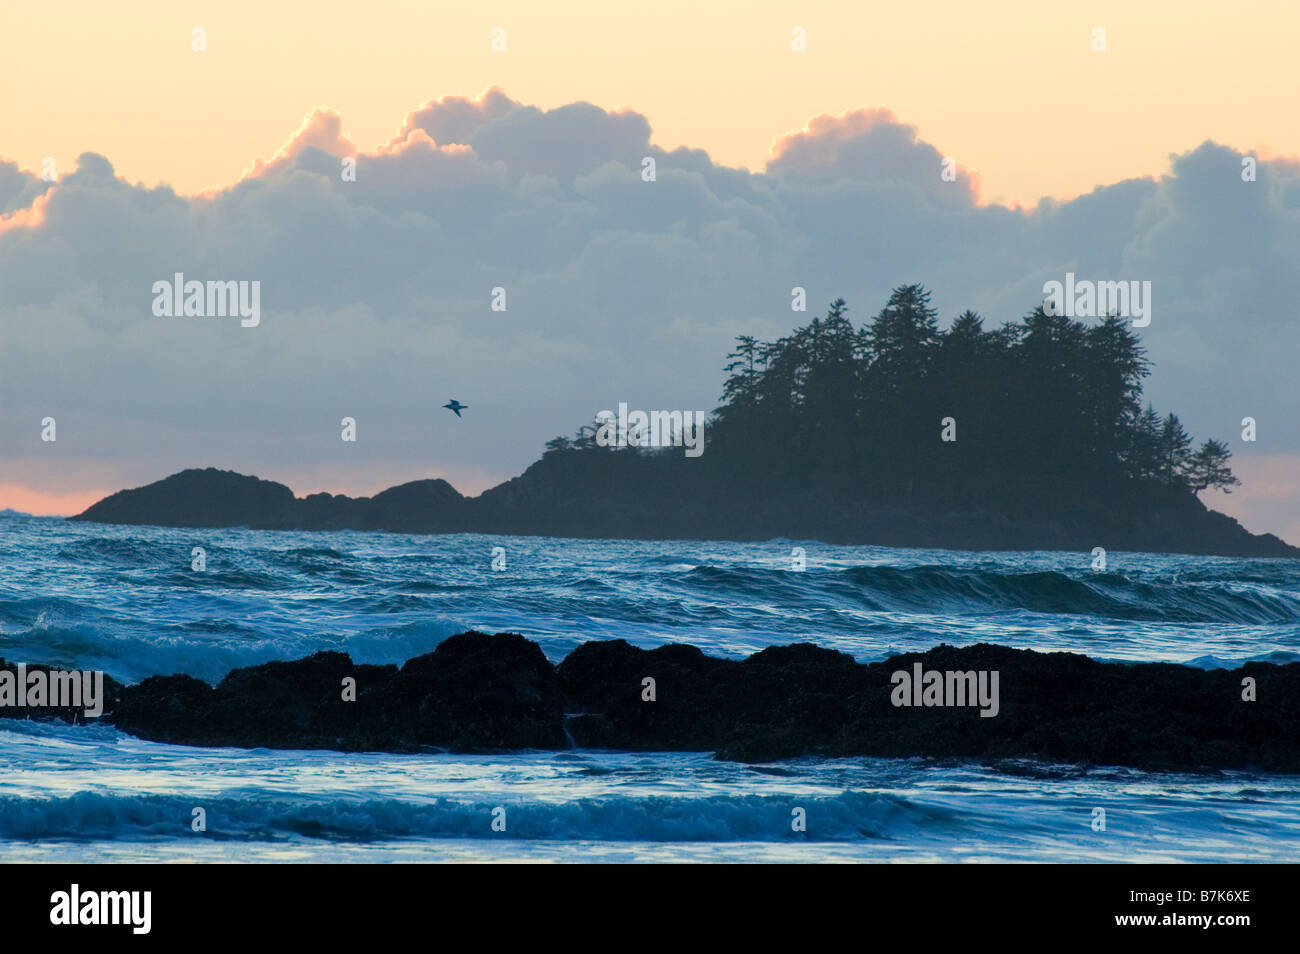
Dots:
{"x": 61, "y": 504}
{"x": 1012, "y": 90}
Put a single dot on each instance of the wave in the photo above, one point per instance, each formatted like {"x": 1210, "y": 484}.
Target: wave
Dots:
{"x": 119, "y": 551}
{"x": 41, "y": 612}
{"x": 851, "y": 816}
{"x": 210, "y": 648}
{"x": 219, "y": 578}
{"x": 132, "y": 605}
{"x": 946, "y": 589}
{"x": 1278, "y": 657}
{"x": 299, "y": 553}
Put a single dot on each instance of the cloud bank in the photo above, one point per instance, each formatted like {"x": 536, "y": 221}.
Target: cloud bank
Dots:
{"x": 376, "y": 293}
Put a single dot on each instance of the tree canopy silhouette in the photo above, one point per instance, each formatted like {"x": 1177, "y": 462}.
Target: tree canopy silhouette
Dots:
{"x": 1036, "y": 411}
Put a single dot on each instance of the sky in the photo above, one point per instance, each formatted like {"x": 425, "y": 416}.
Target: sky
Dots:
{"x": 795, "y": 145}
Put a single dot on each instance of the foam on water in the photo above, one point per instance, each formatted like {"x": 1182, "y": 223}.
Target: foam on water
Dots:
{"x": 105, "y": 791}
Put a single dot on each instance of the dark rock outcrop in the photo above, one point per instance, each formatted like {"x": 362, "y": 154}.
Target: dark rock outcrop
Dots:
{"x": 473, "y": 693}
{"x": 613, "y": 499}
{"x": 198, "y": 498}
{"x": 801, "y": 700}
{"x": 222, "y": 498}
{"x": 482, "y": 693}
{"x": 605, "y": 682}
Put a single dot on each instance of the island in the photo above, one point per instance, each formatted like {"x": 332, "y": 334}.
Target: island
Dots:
{"x": 1032, "y": 436}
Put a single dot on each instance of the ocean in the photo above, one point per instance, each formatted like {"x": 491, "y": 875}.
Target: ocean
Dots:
{"x": 127, "y": 601}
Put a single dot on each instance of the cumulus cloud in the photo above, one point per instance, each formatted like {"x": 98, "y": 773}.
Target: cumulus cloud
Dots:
{"x": 453, "y": 119}
{"x": 18, "y": 188}
{"x": 869, "y": 144}
{"x": 322, "y": 130}
{"x": 376, "y": 293}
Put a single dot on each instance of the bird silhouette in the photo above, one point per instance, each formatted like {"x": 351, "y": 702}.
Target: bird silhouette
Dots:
{"x": 455, "y": 406}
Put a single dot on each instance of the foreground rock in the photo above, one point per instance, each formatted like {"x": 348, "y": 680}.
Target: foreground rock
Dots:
{"x": 482, "y": 693}
{"x": 799, "y": 700}
{"x": 473, "y": 693}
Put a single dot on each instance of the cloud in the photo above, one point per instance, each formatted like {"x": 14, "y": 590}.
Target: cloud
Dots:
{"x": 322, "y": 130}
{"x": 560, "y": 143}
{"x": 19, "y": 189}
{"x": 868, "y": 144}
{"x": 454, "y": 119}
{"x": 376, "y": 293}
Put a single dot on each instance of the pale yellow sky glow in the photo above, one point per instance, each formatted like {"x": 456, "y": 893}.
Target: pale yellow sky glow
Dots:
{"x": 1012, "y": 90}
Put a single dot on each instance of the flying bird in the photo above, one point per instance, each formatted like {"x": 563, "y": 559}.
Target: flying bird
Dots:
{"x": 455, "y": 406}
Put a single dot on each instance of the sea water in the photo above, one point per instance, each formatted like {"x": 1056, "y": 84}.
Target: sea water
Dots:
{"x": 126, "y": 600}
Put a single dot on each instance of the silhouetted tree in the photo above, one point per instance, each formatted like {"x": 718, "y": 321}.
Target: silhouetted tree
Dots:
{"x": 1175, "y": 452}
{"x": 1209, "y": 468}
